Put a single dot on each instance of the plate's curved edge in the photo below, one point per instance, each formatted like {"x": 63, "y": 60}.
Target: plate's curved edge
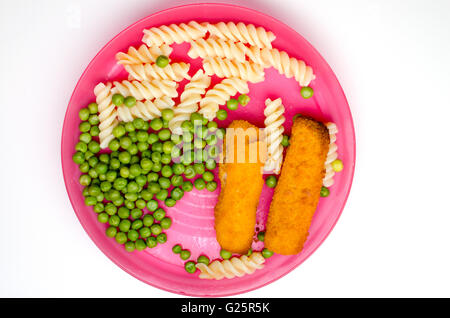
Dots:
{"x": 295, "y": 264}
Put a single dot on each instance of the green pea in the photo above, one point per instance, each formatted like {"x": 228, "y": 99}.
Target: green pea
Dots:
{"x": 125, "y": 225}
{"x": 225, "y": 254}
{"x": 152, "y": 138}
{"x": 176, "y": 180}
{"x": 111, "y": 176}
{"x": 210, "y": 164}
{"x": 166, "y": 158}
{"x": 140, "y": 245}
{"x": 337, "y": 165}
{"x": 266, "y": 253}
{"x": 185, "y": 254}
{"x": 170, "y": 202}
{"x": 99, "y": 207}
{"x": 133, "y": 150}
{"x": 271, "y": 181}
{"x": 85, "y": 137}
{"x": 152, "y": 242}
{"x": 203, "y": 259}
{"x": 211, "y": 186}
{"x": 81, "y": 146}
{"x": 189, "y": 172}
{"x": 162, "y": 238}
{"x": 137, "y": 224}
{"x": 324, "y": 192}
{"x": 154, "y": 187}
{"x": 85, "y": 180}
{"x": 212, "y": 126}
{"x": 152, "y": 205}
{"x": 121, "y": 238}
{"x": 141, "y": 180}
{"x": 222, "y": 114}
{"x": 78, "y": 157}
{"x": 167, "y": 114}
{"x": 111, "y": 231}
{"x": 166, "y": 171}
{"x": 101, "y": 168}
{"x": 176, "y": 249}
{"x": 156, "y": 229}
{"x": 166, "y": 223}
{"x": 178, "y": 168}
{"x": 118, "y": 202}
{"x": 110, "y": 208}
{"x": 162, "y": 61}
{"x": 177, "y": 194}
{"x": 84, "y": 114}
{"x": 84, "y": 167}
{"x": 190, "y": 267}
{"x": 306, "y": 92}
{"x": 129, "y": 204}
{"x": 136, "y": 213}
{"x": 135, "y": 170}
{"x": 211, "y": 140}
{"x": 142, "y": 146}
{"x": 129, "y": 246}
{"x": 164, "y": 183}
{"x": 199, "y": 168}
{"x": 93, "y": 108}
{"x": 176, "y": 139}
{"x": 103, "y": 217}
{"x": 129, "y": 101}
{"x": 187, "y": 126}
{"x": 164, "y": 134}
{"x": 117, "y": 99}
{"x": 84, "y": 127}
{"x": 243, "y": 99}
{"x": 232, "y": 104}
{"x": 285, "y": 141}
{"x": 145, "y": 232}
{"x": 187, "y": 136}
{"x": 94, "y": 131}
{"x": 119, "y": 131}
{"x": 140, "y": 204}
{"x": 208, "y": 176}
{"x": 124, "y": 157}
{"x": 159, "y": 214}
{"x": 187, "y": 186}
{"x": 131, "y": 196}
{"x": 148, "y": 220}
{"x": 114, "y": 220}
{"x": 168, "y": 146}
{"x": 156, "y": 124}
{"x": 93, "y": 120}
{"x": 199, "y": 184}
{"x": 261, "y": 236}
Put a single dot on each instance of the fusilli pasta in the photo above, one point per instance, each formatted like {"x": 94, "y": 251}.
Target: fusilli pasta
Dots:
{"x": 280, "y": 60}
{"x": 107, "y": 113}
{"x": 331, "y": 156}
{"x": 146, "y": 110}
{"x": 234, "y": 267}
{"x": 173, "y": 33}
{"x": 240, "y": 32}
{"x": 146, "y": 89}
{"x": 145, "y": 72}
{"x": 189, "y": 100}
{"x": 274, "y": 134}
{"x": 247, "y": 71}
{"x": 143, "y": 54}
{"x": 219, "y": 94}
{"x": 213, "y": 47}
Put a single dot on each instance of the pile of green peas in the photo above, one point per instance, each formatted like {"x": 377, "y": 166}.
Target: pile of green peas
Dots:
{"x": 147, "y": 165}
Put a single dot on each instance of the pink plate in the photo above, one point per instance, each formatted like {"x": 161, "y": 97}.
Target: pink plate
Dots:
{"x": 193, "y": 216}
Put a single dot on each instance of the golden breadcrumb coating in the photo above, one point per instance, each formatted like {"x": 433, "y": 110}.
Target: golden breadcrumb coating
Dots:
{"x": 241, "y": 185}
{"x": 298, "y": 189}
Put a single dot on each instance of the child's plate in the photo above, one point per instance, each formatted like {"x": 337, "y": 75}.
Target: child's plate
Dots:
{"x": 193, "y": 216}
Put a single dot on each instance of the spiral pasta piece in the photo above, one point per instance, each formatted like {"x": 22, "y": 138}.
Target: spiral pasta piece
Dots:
{"x": 240, "y": 32}
{"x": 274, "y": 134}
{"x": 247, "y": 71}
{"x": 146, "y": 110}
{"x": 280, "y": 60}
{"x": 173, "y": 33}
{"x": 145, "y": 72}
{"x": 143, "y": 54}
{"x": 234, "y": 267}
{"x": 189, "y": 100}
{"x": 107, "y": 113}
{"x": 146, "y": 89}
{"x": 214, "y": 47}
{"x": 219, "y": 94}
{"x": 331, "y": 156}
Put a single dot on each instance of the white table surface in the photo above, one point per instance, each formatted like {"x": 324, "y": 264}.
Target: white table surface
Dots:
{"x": 392, "y": 59}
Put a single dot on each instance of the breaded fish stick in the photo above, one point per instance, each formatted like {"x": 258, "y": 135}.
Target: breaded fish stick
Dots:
{"x": 241, "y": 185}
{"x": 298, "y": 189}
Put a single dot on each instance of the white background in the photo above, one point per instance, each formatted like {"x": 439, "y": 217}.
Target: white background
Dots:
{"x": 392, "y": 59}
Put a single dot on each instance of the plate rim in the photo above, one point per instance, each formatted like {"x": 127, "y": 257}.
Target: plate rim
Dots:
{"x": 292, "y": 267}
